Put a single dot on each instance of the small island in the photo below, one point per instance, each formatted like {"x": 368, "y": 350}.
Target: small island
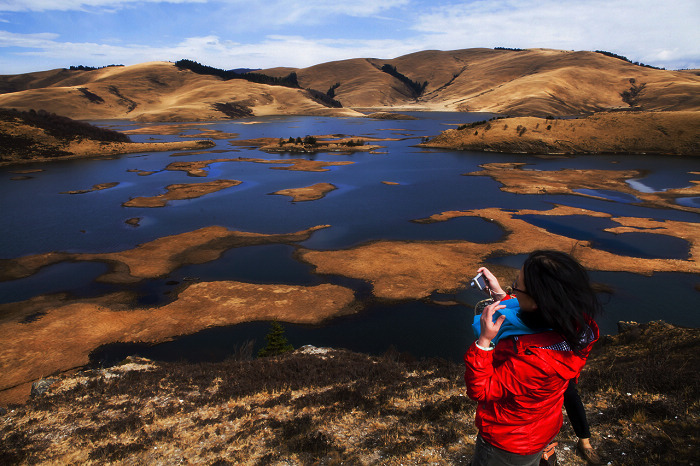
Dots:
{"x": 96, "y": 187}
{"x": 308, "y": 193}
{"x": 197, "y": 168}
{"x": 177, "y": 192}
{"x": 312, "y": 144}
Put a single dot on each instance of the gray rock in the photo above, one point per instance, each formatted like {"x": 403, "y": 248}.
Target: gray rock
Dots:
{"x": 623, "y": 326}
{"x": 41, "y": 386}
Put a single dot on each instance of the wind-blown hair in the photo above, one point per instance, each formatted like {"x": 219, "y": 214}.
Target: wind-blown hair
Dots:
{"x": 560, "y": 287}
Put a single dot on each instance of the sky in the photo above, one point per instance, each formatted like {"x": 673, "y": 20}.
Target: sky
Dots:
{"x": 37, "y": 35}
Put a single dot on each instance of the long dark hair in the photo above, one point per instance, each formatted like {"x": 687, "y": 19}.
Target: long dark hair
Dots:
{"x": 562, "y": 290}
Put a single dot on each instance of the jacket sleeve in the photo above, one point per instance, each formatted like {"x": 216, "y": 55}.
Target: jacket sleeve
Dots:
{"x": 515, "y": 376}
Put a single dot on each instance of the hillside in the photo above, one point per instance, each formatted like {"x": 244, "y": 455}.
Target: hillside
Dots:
{"x": 527, "y": 82}
{"x": 41, "y": 136}
{"x": 607, "y": 132}
{"x": 535, "y": 82}
{"x": 330, "y": 406}
{"x": 155, "y": 91}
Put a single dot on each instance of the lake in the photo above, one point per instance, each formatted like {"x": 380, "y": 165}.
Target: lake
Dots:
{"x": 37, "y": 218}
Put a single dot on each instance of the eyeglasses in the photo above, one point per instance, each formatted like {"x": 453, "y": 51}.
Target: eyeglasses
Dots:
{"x": 515, "y": 288}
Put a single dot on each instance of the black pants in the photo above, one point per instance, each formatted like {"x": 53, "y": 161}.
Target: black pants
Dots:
{"x": 486, "y": 454}
{"x": 575, "y": 411}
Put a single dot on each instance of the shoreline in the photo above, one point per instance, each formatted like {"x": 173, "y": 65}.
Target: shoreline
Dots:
{"x": 619, "y": 133}
{"x": 86, "y": 150}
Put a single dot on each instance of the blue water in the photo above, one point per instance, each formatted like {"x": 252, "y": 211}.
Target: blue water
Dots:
{"x": 609, "y": 195}
{"x": 36, "y": 218}
{"x": 587, "y": 228}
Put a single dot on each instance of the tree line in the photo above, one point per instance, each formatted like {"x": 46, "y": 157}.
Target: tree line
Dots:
{"x": 288, "y": 81}
{"x": 415, "y": 86}
{"x": 89, "y": 68}
{"x": 620, "y": 57}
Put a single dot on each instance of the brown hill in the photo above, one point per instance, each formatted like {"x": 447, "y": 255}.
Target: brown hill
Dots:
{"x": 527, "y": 82}
{"x": 518, "y": 82}
{"x": 155, "y": 91}
{"x": 605, "y": 132}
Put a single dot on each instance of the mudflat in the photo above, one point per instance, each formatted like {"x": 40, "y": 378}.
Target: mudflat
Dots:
{"x": 581, "y": 182}
{"x": 416, "y": 269}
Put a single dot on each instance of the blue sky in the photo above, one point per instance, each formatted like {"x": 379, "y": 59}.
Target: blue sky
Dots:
{"x": 38, "y": 35}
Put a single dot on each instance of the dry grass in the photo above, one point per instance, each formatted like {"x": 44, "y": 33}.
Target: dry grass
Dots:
{"x": 605, "y": 132}
{"x": 299, "y": 409}
{"x": 158, "y": 91}
{"x": 641, "y": 389}
{"x": 527, "y": 82}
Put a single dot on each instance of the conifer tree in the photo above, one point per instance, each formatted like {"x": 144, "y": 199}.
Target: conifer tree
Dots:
{"x": 276, "y": 342}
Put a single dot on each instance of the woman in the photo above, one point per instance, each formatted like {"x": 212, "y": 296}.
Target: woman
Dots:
{"x": 519, "y": 381}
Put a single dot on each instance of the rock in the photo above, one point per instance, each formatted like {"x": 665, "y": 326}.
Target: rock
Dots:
{"x": 623, "y": 326}
{"x": 40, "y": 387}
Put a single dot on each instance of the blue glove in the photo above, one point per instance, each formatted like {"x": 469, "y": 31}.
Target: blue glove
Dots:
{"x": 511, "y": 326}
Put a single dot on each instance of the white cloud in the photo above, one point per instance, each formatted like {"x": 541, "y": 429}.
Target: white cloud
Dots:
{"x": 287, "y": 10}
{"x": 643, "y": 30}
{"x": 68, "y": 5}
{"x": 40, "y": 40}
{"x": 272, "y": 51}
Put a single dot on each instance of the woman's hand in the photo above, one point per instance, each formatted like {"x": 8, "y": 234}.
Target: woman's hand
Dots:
{"x": 492, "y": 283}
{"x": 489, "y": 328}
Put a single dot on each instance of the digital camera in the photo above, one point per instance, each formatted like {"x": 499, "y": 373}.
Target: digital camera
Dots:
{"x": 479, "y": 282}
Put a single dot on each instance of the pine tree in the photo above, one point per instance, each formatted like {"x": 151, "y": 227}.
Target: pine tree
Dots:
{"x": 276, "y": 342}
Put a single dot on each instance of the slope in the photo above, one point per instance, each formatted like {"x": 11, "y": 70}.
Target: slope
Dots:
{"x": 517, "y": 82}
{"x": 154, "y": 91}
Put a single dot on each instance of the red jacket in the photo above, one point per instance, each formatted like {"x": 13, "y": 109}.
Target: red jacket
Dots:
{"x": 520, "y": 389}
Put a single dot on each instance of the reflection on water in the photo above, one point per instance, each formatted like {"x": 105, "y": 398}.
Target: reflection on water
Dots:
{"x": 75, "y": 278}
{"x": 689, "y": 202}
{"x": 35, "y": 218}
{"x": 641, "y": 187}
{"x": 609, "y": 195}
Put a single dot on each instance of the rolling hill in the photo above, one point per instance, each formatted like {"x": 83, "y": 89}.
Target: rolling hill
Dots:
{"x": 154, "y": 91}
{"x": 533, "y": 82}
{"x": 516, "y": 82}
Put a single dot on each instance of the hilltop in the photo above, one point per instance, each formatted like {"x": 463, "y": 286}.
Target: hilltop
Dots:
{"x": 331, "y": 406}
{"x": 536, "y": 82}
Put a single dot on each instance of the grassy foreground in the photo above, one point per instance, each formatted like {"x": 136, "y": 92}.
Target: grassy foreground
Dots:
{"x": 327, "y": 406}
